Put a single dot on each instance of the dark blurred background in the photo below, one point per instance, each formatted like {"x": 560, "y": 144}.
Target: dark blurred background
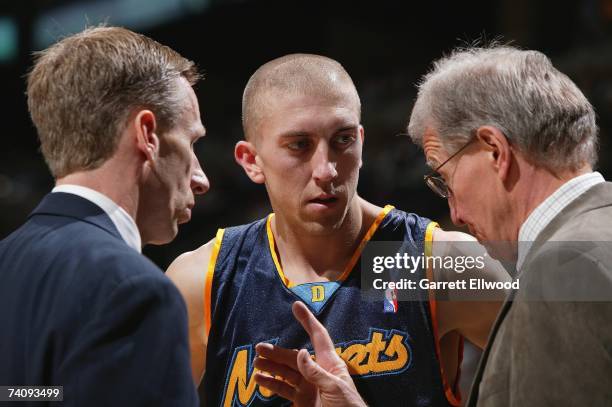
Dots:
{"x": 385, "y": 46}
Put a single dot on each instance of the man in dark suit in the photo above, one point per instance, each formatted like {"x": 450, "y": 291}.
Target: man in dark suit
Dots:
{"x": 80, "y": 307}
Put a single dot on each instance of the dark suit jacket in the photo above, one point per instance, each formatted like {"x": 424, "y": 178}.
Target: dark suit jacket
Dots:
{"x": 552, "y": 345}
{"x": 81, "y": 309}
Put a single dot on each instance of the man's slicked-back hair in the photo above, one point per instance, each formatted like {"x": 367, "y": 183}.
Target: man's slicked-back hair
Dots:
{"x": 539, "y": 109}
{"x": 82, "y": 89}
{"x": 294, "y": 74}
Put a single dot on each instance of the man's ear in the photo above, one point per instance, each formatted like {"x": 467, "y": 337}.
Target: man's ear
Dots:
{"x": 361, "y": 136}
{"x": 146, "y": 139}
{"x": 498, "y": 149}
{"x": 246, "y": 155}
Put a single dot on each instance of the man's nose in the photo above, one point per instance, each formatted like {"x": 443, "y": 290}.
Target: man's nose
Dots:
{"x": 324, "y": 168}
{"x": 199, "y": 181}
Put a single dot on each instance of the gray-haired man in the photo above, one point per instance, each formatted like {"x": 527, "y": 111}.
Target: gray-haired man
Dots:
{"x": 527, "y": 134}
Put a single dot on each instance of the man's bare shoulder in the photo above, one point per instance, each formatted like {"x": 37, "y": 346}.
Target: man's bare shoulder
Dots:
{"x": 188, "y": 271}
{"x": 452, "y": 243}
{"x": 441, "y": 235}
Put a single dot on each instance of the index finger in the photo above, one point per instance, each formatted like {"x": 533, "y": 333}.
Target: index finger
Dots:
{"x": 319, "y": 337}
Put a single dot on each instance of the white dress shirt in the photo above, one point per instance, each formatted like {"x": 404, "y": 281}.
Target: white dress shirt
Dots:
{"x": 550, "y": 208}
{"x": 121, "y": 219}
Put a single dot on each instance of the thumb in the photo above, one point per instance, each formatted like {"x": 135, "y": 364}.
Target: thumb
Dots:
{"x": 314, "y": 373}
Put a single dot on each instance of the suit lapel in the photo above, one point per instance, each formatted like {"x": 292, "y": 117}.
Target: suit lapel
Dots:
{"x": 473, "y": 398}
{"x": 73, "y": 206}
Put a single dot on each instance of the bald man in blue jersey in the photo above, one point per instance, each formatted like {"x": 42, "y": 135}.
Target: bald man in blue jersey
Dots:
{"x": 303, "y": 141}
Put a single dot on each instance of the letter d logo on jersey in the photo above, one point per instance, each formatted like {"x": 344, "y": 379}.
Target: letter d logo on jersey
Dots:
{"x": 318, "y": 293}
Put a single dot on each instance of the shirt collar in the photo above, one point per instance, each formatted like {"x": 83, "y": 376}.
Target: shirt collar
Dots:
{"x": 121, "y": 219}
{"x": 544, "y": 213}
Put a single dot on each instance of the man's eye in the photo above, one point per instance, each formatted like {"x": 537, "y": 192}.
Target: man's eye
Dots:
{"x": 298, "y": 145}
{"x": 344, "y": 139}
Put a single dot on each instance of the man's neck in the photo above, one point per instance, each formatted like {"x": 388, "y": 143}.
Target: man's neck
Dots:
{"x": 538, "y": 184}
{"x": 322, "y": 257}
{"x": 109, "y": 180}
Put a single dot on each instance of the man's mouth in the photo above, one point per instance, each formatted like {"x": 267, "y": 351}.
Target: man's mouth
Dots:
{"x": 324, "y": 201}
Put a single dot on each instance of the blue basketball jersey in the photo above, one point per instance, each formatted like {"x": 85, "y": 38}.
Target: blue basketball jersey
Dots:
{"x": 390, "y": 347}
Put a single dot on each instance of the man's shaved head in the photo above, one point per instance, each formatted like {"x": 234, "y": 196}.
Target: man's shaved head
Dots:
{"x": 295, "y": 75}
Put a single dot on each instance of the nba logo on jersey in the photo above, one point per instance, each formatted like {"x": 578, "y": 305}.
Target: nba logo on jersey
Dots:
{"x": 390, "y": 302}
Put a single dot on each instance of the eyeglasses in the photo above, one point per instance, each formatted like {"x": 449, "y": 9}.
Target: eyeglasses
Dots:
{"x": 435, "y": 181}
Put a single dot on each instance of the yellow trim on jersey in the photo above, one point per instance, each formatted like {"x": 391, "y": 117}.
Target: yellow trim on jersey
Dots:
{"x": 272, "y": 244}
{"x": 429, "y": 237}
{"x": 350, "y": 265}
{"x": 451, "y": 397}
{"x": 209, "y": 279}
{"x": 373, "y": 228}
{"x": 428, "y": 252}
